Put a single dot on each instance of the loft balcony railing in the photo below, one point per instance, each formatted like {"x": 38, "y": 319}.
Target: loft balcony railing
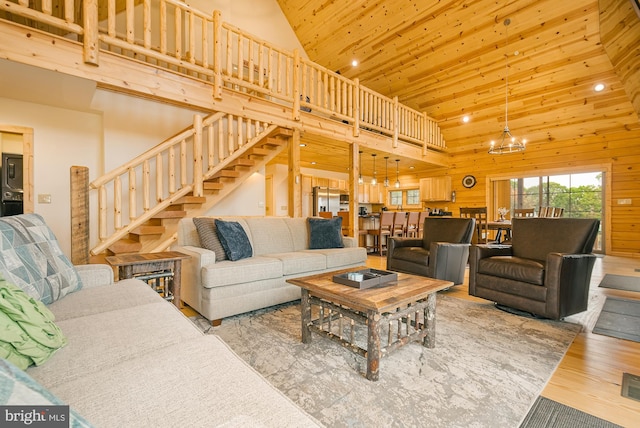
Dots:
{"x": 174, "y": 36}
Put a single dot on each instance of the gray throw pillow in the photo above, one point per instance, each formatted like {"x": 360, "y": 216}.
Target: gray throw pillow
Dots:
{"x": 234, "y": 240}
{"x": 325, "y": 233}
{"x": 208, "y": 234}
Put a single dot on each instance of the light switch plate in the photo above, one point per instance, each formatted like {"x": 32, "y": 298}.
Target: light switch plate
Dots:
{"x": 44, "y": 198}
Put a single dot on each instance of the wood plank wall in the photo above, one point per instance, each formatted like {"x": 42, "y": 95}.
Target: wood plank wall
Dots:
{"x": 619, "y": 150}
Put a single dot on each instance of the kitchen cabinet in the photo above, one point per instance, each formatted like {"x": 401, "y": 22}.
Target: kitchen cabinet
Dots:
{"x": 435, "y": 189}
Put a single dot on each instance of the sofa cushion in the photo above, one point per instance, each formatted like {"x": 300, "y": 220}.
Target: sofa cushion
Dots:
{"x": 20, "y": 389}
{"x": 102, "y": 340}
{"x": 299, "y": 229}
{"x": 245, "y": 270}
{"x": 339, "y": 257}
{"x": 208, "y": 234}
{"x": 103, "y": 299}
{"x": 301, "y": 262}
{"x": 270, "y": 235}
{"x": 516, "y": 268}
{"x": 234, "y": 240}
{"x": 195, "y": 383}
{"x": 325, "y": 233}
{"x": 31, "y": 258}
{"x": 28, "y": 334}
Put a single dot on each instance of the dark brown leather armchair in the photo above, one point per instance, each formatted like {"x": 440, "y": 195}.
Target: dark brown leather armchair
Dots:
{"x": 441, "y": 253}
{"x": 546, "y": 271}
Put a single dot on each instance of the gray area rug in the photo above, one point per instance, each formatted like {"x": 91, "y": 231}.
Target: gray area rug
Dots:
{"x": 486, "y": 370}
{"x": 547, "y": 413}
{"x": 619, "y": 318}
{"x": 620, "y": 282}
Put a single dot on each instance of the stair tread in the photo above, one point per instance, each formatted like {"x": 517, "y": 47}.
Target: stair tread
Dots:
{"x": 171, "y": 214}
{"x": 148, "y": 230}
{"x": 125, "y": 246}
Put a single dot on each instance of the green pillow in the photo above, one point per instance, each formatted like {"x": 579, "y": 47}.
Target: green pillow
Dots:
{"x": 28, "y": 334}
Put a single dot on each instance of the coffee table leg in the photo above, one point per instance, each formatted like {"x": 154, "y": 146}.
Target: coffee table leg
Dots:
{"x": 305, "y": 309}
{"x": 430, "y": 322}
{"x": 373, "y": 345}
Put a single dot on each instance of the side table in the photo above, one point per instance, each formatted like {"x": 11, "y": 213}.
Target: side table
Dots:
{"x": 152, "y": 266}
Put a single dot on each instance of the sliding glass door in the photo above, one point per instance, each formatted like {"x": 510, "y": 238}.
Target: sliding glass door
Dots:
{"x": 579, "y": 195}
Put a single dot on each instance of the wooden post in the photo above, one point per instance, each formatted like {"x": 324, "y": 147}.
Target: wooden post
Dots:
{"x": 79, "y": 215}
{"x": 295, "y": 185}
{"x": 373, "y": 345}
{"x": 305, "y": 309}
{"x": 394, "y": 125}
{"x": 356, "y": 110}
{"x": 354, "y": 173}
{"x": 296, "y": 85}
{"x": 198, "y": 186}
{"x": 90, "y": 35}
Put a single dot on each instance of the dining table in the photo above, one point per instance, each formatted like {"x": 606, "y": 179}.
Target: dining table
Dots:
{"x": 500, "y": 226}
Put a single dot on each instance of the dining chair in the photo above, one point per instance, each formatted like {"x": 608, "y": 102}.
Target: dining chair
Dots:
{"x": 411, "y": 228}
{"x": 346, "y": 223}
{"x": 524, "y": 212}
{"x": 423, "y": 215}
{"x": 544, "y": 211}
{"x": 557, "y": 212}
{"x": 384, "y": 230}
{"x": 325, "y": 214}
{"x": 482, "y": 227}
{"x": 399, "y": 222}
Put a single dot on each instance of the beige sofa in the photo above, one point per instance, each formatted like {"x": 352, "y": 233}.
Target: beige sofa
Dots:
{"x": 218, "y": 289}
{"x": 131, "y": 359}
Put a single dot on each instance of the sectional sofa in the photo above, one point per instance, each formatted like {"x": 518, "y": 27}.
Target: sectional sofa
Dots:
{"x": 282, "y": 248}
{"x": 131, "y": 359}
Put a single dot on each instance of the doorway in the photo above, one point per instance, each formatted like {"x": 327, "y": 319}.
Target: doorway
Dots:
{"x": 16, "y": 146}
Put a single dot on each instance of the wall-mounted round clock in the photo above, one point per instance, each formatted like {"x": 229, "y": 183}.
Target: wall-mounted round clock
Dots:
{"x": 469, "y": 181}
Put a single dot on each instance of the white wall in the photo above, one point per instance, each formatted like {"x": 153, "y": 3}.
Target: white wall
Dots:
{"x": 262, "y": 18}
{"x": 62, "y": 138}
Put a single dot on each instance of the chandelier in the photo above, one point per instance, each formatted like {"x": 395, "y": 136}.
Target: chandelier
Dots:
{"x": 360, "y": 180}
{"x": 397, "y": 185}
{"x": 507, "y": 143}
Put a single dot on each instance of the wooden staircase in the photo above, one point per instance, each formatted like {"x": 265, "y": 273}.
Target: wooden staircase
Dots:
{"x": 159, "y": 231}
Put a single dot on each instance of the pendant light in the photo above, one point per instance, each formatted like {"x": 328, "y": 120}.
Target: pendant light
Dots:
{"x": 374, "y": 181}
{"x": 507, "y": 142}
{"x": 397, "y": 185}
{"x": 360, "y": 180}
{"x": 386, "y": 171}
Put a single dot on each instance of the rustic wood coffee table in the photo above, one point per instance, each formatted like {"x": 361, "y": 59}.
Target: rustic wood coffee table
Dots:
{"x": 406, "y": 310}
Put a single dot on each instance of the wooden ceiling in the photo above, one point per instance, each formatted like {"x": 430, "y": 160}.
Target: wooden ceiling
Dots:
{"x": 449, "y": 58}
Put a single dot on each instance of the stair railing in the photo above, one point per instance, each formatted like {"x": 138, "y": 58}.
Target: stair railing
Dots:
{"x": 172, "y": 35}
{"x": 167, "y": 172}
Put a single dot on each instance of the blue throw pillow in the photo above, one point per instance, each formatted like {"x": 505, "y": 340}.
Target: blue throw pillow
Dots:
{"x": 234, "y": 240}
{"x": 325, "y": 233}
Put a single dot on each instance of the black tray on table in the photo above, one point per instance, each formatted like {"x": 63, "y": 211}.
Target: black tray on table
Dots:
{"x": 367, "y": 278}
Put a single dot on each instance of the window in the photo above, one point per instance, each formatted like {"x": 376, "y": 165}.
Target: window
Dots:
{"x": 395, "y": 197}
{"x": 413, "y": 197}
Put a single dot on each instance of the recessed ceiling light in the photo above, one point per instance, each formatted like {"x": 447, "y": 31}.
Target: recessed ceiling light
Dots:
{"x": 411, "y": 167}
{"x": 313, "y": 163}
{"x": 599, "y": 87}
{"x": 354, "y": 63}
{"x": 466, "y": 119}
{"x": 303, "y": 145}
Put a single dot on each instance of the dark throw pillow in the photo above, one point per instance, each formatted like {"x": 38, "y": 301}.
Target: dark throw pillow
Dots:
{"x": 234, "y": 240}
{"x": 325, "y": 233}
{"x": 208, "y": 234}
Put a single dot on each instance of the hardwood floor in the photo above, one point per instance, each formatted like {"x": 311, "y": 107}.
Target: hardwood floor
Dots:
{"x": 589, "y": 377}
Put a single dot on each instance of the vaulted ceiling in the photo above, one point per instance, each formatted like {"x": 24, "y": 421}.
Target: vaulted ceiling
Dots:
{"x": 449, "y": 59}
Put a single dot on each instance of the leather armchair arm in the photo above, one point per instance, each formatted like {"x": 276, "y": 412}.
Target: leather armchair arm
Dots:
{"x": 447, "y": 261}
{"x": 567, "y": 279}
{"x": 478, "y": 252}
